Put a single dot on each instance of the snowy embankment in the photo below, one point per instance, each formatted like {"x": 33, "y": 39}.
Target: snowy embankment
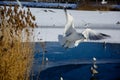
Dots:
{"x": 56, "y": 17}
{"x": 51, "y": 23}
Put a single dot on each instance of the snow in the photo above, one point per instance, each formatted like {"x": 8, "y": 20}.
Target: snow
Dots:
{"x": 51, "y": 35}
{"x": 51, "y": 23}
{"x": 57, "y": 17}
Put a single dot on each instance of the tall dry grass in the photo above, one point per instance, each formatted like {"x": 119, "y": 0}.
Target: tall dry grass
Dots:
{"x": 15, "y": 57}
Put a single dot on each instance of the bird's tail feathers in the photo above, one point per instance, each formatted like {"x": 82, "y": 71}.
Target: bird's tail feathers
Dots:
{"x": 71, "y": 45}
{"x": 65, "y": 43}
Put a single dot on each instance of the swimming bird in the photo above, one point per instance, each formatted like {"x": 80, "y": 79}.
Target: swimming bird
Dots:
{"x": 104, "y": 2}
{"x": 46, "y": 59}
{"x": 93, "y": 71}
{"x": 72, "y": 38}
{"x": 61, "y": 78}
{"x": 94, "y": 59}
{"x": 94, "y": 63}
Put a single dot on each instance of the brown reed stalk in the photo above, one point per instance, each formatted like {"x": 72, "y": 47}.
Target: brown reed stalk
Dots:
{"x": 16, "y": 57}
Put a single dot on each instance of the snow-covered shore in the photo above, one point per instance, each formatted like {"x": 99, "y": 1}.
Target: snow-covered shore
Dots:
{"x": 56, "y": 17}
{"x": 51, "y": 23}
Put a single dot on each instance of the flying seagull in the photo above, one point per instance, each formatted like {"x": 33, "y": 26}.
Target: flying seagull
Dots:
{"x": 72, "y": 38}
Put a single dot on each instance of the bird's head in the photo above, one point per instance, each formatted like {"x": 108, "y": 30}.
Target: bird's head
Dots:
{"x": 94, "y": 59}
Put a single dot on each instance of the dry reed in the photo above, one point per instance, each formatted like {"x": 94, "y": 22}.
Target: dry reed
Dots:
{"x": 15, "y": 57}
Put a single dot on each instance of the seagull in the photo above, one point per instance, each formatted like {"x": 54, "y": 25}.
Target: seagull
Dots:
{"x": 46, "y": 59}
{"x": 104, "y": 2}
{"x": 71, "y": 38}
{"x": 93, "y": 71}
{"x": 94, "y": 63}
{"x": 94, "y": 59}
{"x": 61, "y": 78}
{"x": 95, "y": 66}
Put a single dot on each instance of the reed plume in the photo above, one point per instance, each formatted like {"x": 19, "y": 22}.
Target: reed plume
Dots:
{"x": 16, "y": 57}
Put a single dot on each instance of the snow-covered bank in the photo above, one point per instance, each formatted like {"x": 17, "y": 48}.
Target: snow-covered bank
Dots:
{"x": 51, "y": 34}
{"x": 56, "y": 17}
{"x": 51, "y": 23}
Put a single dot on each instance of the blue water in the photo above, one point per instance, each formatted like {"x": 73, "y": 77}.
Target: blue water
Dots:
{"x": 84, "y": 51}
{"x": 75, "y": 63}
{"x": 82, "y": 72}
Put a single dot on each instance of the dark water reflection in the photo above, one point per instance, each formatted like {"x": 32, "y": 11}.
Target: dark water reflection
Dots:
{"x": 75, "y": 64}
{"x": 82, "y": 72}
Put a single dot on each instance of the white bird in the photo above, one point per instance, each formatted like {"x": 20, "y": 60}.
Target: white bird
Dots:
{"x": 93, "y": 71}
{"x": 72, "y": 38}
{"x": 94, "y": 59}
{"x": 95, "y": 66}
{"x": 104, "y": 2}
{"x": 94, "y": 63}
{"x": 46, "y": 59}
{"x": 61, "y": 78}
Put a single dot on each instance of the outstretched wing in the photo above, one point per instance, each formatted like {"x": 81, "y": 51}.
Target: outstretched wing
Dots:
{"x": 92, "y": 35}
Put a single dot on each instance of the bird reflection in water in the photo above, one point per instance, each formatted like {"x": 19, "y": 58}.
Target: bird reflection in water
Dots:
{"x": 93, "y": 78}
